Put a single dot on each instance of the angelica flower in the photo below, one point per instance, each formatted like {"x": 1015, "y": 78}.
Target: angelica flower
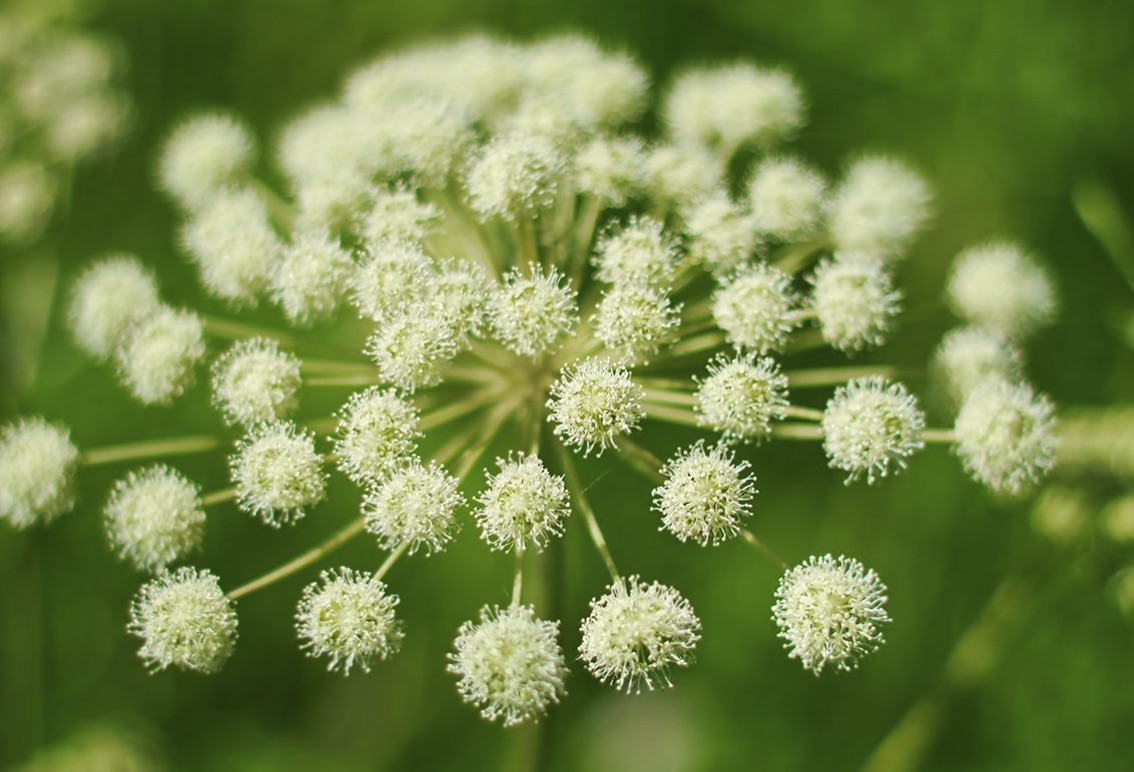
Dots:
{"x": 208, "y": 152}
{"x": 27, "y": 197}
{"x": 516, "y": 175}
{"x": 741, "y": 397}
{"x": 311, "y": 277}
{"x": 157, "y": 358}
{"x": 99, "y": 318}
{"x": 679, "y": 176}
{"x": 37, "y": 464}
{"x": 634, "y": 322}
{"x": 787, "y": 198}
{"x": 638, "y": 253}
{"x": 414, "y": 504}
{"x": 348, "y": 616}
{"x": 636, "y": 632}
{"x": 154, "y": 517}
{"x": 705, "y": 495}
{"x": 396, "y": 215}
{"x": 277, "y": 473}
{"x": 378, "y": 432}
{"x": 722, "y": 234}
{"x": 522, "y": 503}
{"x": 412, "y": 349}
{"x": 830, "y": 612}
{"x": 593, "y": 402}
{"x": 255, "y": 382}
{"x": 968, "y": 356}
{"x": 531, "y": 314}
{"x": 878, "y": 208}
{"x": 870, "y": 424}
{"x": 755, "y": 308}
{"x": 1000, "y": 287}
{"x": 854, "y": 300}
{"x": 611, "y": 169}
{"x": 391, "y": 276}
{"x": 509, "y": 664}
{"x": 1005, "y": 435}
{"x": 184, "y": 619}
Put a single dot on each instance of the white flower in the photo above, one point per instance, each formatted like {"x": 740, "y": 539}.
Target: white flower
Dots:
{"x": 611, "y": 169}
{"x": 109, "y": 298}
{"x": 741, "y": 397}
{"x": 523, "y": 503}
{"x": 830, "y": 612}
{"x": 378, "y": 432}
{"x": 531, "y": 315}
{"x": 157, "y": 358}
{"x": 1006, "y": 435}
{"x": 636, "y": 632}
{"x": 415, "y": 505}
{"x": 679, "y": 176}
{"x": 255, "y": 382}
{"x": 205, "y": 153}
{"x": 854, "y": 300}
{"x": 787, "y": 198}
{"x": 999, "y": 286}
{"x": 277, "y": 473}
{"x": 722, "y": 234}
{"x": 509, "y": 664}
{"x": 968, "y": 356}
{"x": 593, "y": 402}
{"x": 870, "y": 425}
{"x": 755, "y": 308}
{"x": 878, "y": 208}
{"x": 391, "y": 276}
{"x": 184, "y": 619}
{"x": 516, "y": 175}
{"x": 348, "y": 617}
{"x": 154, "y": 517}
{"x": 311, "y": 277}
{"x": 705, "y": 495}
{"x": 634, "y": 322}
{"x": 233, "y": 244}
{"x": 37, "y": 464}
{"x": 639, "y": 253}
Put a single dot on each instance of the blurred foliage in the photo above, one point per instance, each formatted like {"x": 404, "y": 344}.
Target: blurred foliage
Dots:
{"x": 1007, "y": 105}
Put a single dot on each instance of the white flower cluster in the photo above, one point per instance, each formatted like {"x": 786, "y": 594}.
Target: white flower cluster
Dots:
{"x": 527, "y": 276}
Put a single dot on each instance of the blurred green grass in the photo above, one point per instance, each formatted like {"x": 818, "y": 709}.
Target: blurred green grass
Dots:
{"x": 1005, "y": 105}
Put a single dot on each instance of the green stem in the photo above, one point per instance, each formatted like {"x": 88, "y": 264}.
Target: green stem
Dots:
{"x": 344, "y": 380}
{"x": 576, "y": 488}
{"x": 218, "y": 497}
{"x": 671, "y": 397}
{"x": 671, "y": 415}
{"x": 336, "y": 366}
{"x": 764, "y": 548}
{"x": 518, "y": 580}
{"x": 307, "y": 558}
{"x": 179, "y": 446}
{"x": 833, "y": 376}
{"x": 391, "y": 559}
{"x": 233, "y": 330}
{"x": 641, "y": 459}
{"x": 454, "y": 410}
{"x": 797, "y": 432}
{"x": 944, "y": 436}
{"x": 803, "y": 413}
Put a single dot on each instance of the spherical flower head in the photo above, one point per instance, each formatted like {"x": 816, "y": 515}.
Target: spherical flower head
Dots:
{"x": 854, "y": 300}
{"x": 157, "y": 359}
{"x": 109, "y": 298}
{"x": 787, "y": 199}
{"x": 311, "y": 277}
{"x": 634, "y": 322}
{"x": 389, "y": 279}
{"x": 415, "y": 505}
{"x": 154, "y": 517}
{"x": 870, "y": 426}
{"x": 395, "y": 214}
{"x": 1005, "y": 436}
{"x": 378, "y": 432}
{"x": 724, "y": 108}
{"x": 27, "y": 199}
{"x": 593, "y": 402}
{"x": 426, "y": 138}
{"x": 254, "y": 382}
{"x": 755, "y": 308}
{"x": 532, "y": 315}
{"x": 1001, "y": 287}
{"x": 348, "y": 617}
{"x": 613, "y": 170}
{"x": 233, "y": 244}
{"x": 37, "y": 466}
{"x": 509, "y": 664}
{"x": 516, "y": 175}
{"x": 88, "y": 124}
{"x": 968, "y": 356}
{"x": 412, "y": 349}
{"x": 639, "y": 253}
{"x": 184, "y": 619}
{"x": 679, "y": 176}
{"x": 742, "y": 396}
{"x": 459, "y": 292}
{"x": 277, "y": 473}
{"x": 830, "y": 612}
{"x": 636, "y": 632}
{"x": 705, "y": 495}
{"x": 878, "y": 208}
{"x": 722, "y": 234}
{"x": 327, "y": 141}
{"x": 205, "y": 153}
{"x": 523, "y": 504}
{"x": 598, "y": 89}
{"x": 333, "y": 202}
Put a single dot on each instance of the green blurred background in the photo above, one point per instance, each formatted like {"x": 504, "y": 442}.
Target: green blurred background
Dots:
{"x": 1015, "y": 109}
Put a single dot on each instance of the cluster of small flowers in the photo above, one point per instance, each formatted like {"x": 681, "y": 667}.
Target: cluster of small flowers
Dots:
{"x": 516, "y": 257}
{"x": 61, "y": 105}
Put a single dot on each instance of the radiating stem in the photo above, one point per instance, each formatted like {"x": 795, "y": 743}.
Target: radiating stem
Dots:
{"x": 832, "y": 376}
{"x": 307, "y": 558}
{"x": 489, "y": 427}
{"x": 576, "y": 488}
{"x": 674, "y": 397}
{"x": 518, "y": 580}
{"x": 641, "y": 459}
{"x": 391, "y": 559}
{"x": 336, "y": 366}
{"x": 457, "y": 409}
{"x": 133, "y": 451}
{"x": 344, "y": 380}
{"x": 233, "y": 330}
{"x": 218, "y": 497}
{"x": 803, "y": 413}
{"x": 671, "y": 415}
{"x": 755, "y": 542}
{"x": 797, "y": 432}
{"x": 695, "y": 345}
{"x": 939, "y": 435}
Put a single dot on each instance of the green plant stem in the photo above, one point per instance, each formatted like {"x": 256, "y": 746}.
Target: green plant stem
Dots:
{"x": 454, "y": 410}
{"x": 518, "y": 579}
{"x": 641, "y": 459}
{"x": 336, "y": 366}
{"x": 803, "y": 413}
{"x": 797, "y": 432}
{"x": 335, "y": 541}
{"x": 764, "y": 548}
{"x": 232, "y": 330}
{"x": 133, "y": 451}
{"x": 391, "y": 559}
{"x": 344, "y": 380}
{"x": 218, "y": 497}
{"x": 672, "y": 397}
{"x": 671, "y": 415}
{"x": 832, "y": 376}
{"x": 944, "y": 436}
{"x": 576, "y": 487}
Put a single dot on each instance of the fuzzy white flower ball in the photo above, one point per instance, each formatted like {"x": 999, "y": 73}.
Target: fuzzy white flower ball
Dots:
{"x": 37, "y": 465}
{"x": 612, "y": 170}
{"x": 830, "y": 612}
{"x": 722, "y": 234}
{"x": 878, "y": 208}
{"x": 755, "y": 308}
{"x": 203, "y": 154}
{"x": 787, "y": 198}
{"x": 531, "y": 315}
{"x": 413, "y": 348}
{"x": 593, "y": 402}
{"x": 679, "y": 176}
{"x": 232, "y": 241}
{"x": 99, "y": 318}
{"x": 254, "y": 382}
{"x": 389, "y": 279}
{"x": 870, "y": 426}
{"x": 705, "y": 495}
{"x": 516, "y": 175}
{"x": 157, "y": 358}
{"x": 311, "y": 277}
{"x": 415, "y": 505}
{"x": 378, "y": 433}
{"x": 854, "y": 300}
{"x": 277, "y": 473}
{"x": 154, "y": 517}
{"x": 634, "y": 322}
{"x": 968, "y": 356}
{"x": 742, "y": 396}
{"x": 636, "y": 632}
{"x": 639, "y": 253}
{"x": 523, "y": 503}
{"x": 1001, "y": 287}
{"x": 185, "y": 620}
{"x": 509, "y": 664}
{"x": 348, "y": 617}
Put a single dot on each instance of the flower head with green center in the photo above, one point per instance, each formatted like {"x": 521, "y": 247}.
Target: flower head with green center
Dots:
{"x": 830, "y": 612}
{"x": 522, "y": 503}
{"x": 870, "y": 425}
{"x": 348, "y": 617}
{"x": 37, "y": 464}
{"x": 593, "y": 402}
{"x": 414, "y": 505}
{"x": 185, "y": 620}
{"x": 155, "y": 517}
{"x": 742, "y": 396}
{"x": 636, "y": 632}
{"x": 705, "y": 495}
{"x": 277, "y": 473}
{"x": 254, "y": 382}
